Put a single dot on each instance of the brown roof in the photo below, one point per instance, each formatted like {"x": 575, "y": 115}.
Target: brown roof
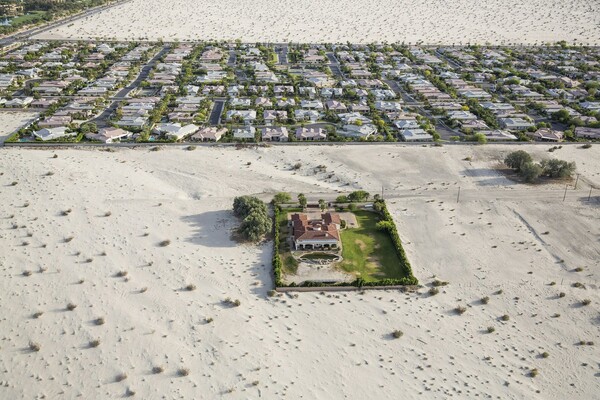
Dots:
{"x": 325, "y": 228}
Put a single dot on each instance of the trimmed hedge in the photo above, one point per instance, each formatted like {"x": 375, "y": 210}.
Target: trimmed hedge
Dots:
{"x": 388, "y": 225}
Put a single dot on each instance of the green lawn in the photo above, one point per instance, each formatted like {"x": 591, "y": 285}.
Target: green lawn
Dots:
{"x": 28, "y": 18}
{"x": 367, "y": 252}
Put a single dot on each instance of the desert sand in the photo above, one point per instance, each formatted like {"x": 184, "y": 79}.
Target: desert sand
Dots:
{"x": 410, "y": 21}
{"x": 85, "y": 228}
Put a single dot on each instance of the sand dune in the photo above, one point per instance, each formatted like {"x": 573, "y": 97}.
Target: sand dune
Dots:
{"x": 410, "y": 21}
{"x": 85, "y": 228}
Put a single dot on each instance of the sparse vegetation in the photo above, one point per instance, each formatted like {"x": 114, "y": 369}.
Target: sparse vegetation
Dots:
{"x": 433, "y": 291}
{"x": 121, "y": 377}
{"x": 232, "y": 303}
{"x": 158, "y": 369}
{"x": 491, "y": 329}
{"x": 99, "y": 321}
{"x": 505, "y": 317}
{"x": 190, "y": 287}
{"x": 33, "y": 346}
{"x": 460, "y": 310}
{"x": 37, "y": 314}
{"x": 71, "y": 306}
{"x": 485, "y": 300}
{"x": 183, "y": 372}
{"x": 545, "y": 354}
{"x": 94, "y": 343}
{"x": 164, "y": 243}
{"x": 533, "y": 373}
{"x": 397, "y": 334}
{"x": 586, "y": 302}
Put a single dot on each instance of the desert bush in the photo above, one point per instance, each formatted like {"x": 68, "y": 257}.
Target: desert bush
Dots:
{"x": 66, "y": 212}
{"x": 578, "y": 285}
{"x": 208, "y": 320}
{"x": 14, "y": 183}
{"x": 586, "y": 302}
{"x": 272, "y": 293}
{"x": 433, "y": 291}
{"x": 586, "y": 146}
{"x": 505, "y": 317}
{"x": 68, "y": 239}
{"x": 121, "y": 377}
{"x": 232, "y": 303}
{"x": 157, "y": 369}
{"x": 485, "y": 300}
{"x": 533, "y": 373}
{"x": 562, "y": 294}
{"x": 37, "y": 314}
{"x": 545, "y": 354}
{"x": 297, "y": 166}
{"x": 183, "y": 372}
{"x": 578, "y": 269}
{"x": 164, "y": 243}
{"x": 99, "y": 321}
{"x": 460, "y": 310}
{"x": 107, "y": 214}
{"x": 71, "y": 306}
{"x": 27, "y": 273}
{"x": 190, "y": 287}
{"x": 438, "y": 283}
{"x": 491, "y": 329}
{"x": 94, "y": 343}
{"x": 33, "y": 346}
{"x": 397, "y": 334}
{"x": 121, "y": 274}
{"x": 191, "y": 147}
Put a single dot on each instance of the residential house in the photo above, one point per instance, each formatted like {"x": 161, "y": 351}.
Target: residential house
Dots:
{"x": 209, "y": 134}
{"x": 304, "y": 133}
{"x": 415, "y": 135}
{"x": 245, "y": 133}
{"x": 109, "y": 135}
{"x": 516, "y": 124}
{"x": 47, "y": 134}
{"x": 175, "y": 130}
{"x": 275, "y": 134}
{"x": 322, "y": 233}
{"x": 358, "y": 131}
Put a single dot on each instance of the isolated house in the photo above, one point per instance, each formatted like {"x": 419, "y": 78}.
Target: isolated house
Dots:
{"x": 322, "y": 233}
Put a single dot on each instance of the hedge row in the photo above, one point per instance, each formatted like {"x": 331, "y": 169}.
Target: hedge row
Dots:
{"x": 390, "y": 227}
{"x": 276, "y": 256}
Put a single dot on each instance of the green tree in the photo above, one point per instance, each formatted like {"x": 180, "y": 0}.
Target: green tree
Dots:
{"x": 302, "y": 200}
{"x": 322, "y": 204}
{"x": 282, "y": 197}
{"x": 558, "y": 168}
{"x": 531, "y": 171}
{"x": 516, "y": 159}
{"x": 359, "y": 195}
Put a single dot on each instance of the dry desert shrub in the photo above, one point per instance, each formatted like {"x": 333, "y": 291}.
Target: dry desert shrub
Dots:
{"x": 397, "y": 334}
{"x": 33, "y": 346}
{"x": 460, "y": 310}
{"x": 183, "y": 371}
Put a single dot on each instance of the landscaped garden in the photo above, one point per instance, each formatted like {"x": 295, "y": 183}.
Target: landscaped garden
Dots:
{"x": 371, "y": 250}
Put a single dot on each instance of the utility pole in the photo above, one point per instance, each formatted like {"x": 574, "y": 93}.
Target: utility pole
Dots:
{"x": 576, "y": 181}
{"x": 565, "y": 196}
{"x": 458, "y": 195}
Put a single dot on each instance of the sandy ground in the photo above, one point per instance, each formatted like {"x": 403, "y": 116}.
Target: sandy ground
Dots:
{"x": 104, "y": 256}
{"x": 411, "y": 21}
{"x": 10, "y": 121}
